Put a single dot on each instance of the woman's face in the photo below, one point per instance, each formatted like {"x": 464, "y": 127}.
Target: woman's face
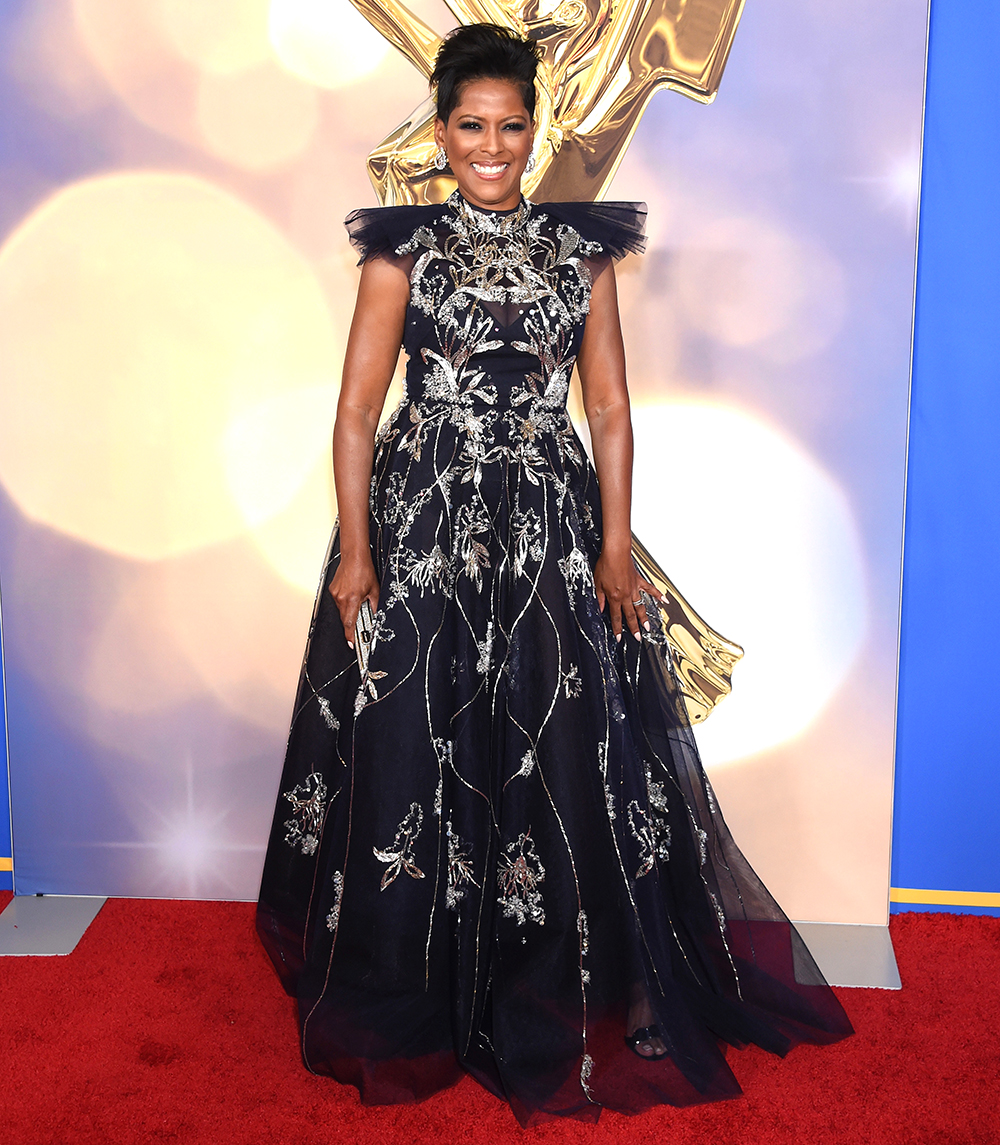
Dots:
{"x": 488, "y": 140}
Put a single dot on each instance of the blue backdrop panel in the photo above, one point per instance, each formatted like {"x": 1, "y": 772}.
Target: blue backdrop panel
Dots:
{"x": 948, "y": 745}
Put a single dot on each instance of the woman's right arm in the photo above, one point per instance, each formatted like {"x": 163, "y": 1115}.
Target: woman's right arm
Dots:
{"x": 372, "y": 351}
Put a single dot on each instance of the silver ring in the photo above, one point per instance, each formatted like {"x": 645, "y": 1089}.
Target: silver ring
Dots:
{"x": 639, "y": 601}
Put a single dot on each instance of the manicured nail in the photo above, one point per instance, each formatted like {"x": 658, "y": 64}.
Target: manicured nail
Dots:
{"x": 618, "y": 636}
{"x": 350, "y": 645}
{"x": 637, "y": 635}
{"x": 645, "y": 625}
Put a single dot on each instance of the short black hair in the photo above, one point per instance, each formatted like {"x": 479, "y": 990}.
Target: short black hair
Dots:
{"x": 479, "y": 52}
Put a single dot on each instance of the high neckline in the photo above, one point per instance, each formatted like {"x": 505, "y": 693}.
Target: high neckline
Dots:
{"x": 484, "y": 222}
{"x": 459, "y": 200}
{"x": 491, "y": 210}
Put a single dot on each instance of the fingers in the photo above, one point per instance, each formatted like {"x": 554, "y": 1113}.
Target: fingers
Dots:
{"x": 624, "y": 615}
{"x": 653, "y": 591}
{"x": 348, "y": 610}
{"x": 645, "y": 588}
{"x": 629, "y": 608}
{"x": 348, "y": 617}
{"x": 615, "y": 612}
{"x": 350, "y": 620}
{"x": 348, "y": 592}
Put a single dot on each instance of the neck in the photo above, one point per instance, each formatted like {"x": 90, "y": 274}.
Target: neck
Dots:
{"x": 505, "y": 206}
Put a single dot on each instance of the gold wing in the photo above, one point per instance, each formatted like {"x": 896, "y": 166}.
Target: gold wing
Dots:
{"x": 703, "y": 659}
{"x": 405, "y": 31}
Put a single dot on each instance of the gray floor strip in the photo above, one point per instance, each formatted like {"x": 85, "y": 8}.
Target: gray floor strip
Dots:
{"x": 46, "y": 924}
{"x": 852, "y": 954}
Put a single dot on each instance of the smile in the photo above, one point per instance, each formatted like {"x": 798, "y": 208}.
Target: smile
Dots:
{"x": 489, "y": 170}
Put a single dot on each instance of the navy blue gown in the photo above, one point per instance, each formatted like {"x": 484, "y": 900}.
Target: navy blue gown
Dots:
{"x": 488, "y": 847}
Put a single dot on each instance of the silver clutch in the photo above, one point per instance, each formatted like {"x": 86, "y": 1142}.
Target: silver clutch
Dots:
{"x": 364, "y": 633}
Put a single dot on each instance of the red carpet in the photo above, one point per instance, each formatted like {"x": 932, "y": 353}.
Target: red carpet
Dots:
{"x": 167, "y": 1025}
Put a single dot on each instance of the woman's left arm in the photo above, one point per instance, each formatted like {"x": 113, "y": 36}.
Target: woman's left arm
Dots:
{"x": 601, "y": 363}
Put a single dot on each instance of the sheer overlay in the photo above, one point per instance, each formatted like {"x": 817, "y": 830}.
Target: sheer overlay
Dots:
{"x": 490, "y": 846}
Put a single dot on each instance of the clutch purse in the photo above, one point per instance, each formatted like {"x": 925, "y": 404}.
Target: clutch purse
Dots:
{"x": 364, "y": 633}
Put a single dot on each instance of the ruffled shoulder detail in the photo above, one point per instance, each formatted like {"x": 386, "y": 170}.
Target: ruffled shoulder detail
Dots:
{"x": 617, "y": 229}
{"x": 383, "y": 230}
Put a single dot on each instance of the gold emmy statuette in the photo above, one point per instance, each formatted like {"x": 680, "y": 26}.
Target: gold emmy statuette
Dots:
{"x": 601, "y": 63}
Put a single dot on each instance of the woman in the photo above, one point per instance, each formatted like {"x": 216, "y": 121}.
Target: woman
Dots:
{"x": 496, "y": 851}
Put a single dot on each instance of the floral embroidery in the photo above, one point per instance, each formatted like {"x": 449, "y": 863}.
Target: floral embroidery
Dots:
{"x": 326, "y": 711}
{"x": 518, "y": 877}
{"x": 526, "y": 531}
{"x": 400, "y": 855}
{"x": 474, "y": 555}
{"x": 430, "y": 571}
{"x": 583, "y": 930}
{"x": 720, "y": 914}
{"x": 333, "y": 918}
{"x": 308, "y": 802}
{"x": 586, "y": 1068}
{"x": 572, "y": 684}
{"x": 576, "y": 569}
{"x": 652, "y": 832}
{"x": 485, "y": 648}
{"x": 459, "y": 870}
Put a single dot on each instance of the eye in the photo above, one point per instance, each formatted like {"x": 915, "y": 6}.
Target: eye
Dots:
{"x": 468, "y": 125}
{"x": 513, "y": 127}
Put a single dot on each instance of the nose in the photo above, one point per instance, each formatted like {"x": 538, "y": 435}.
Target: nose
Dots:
{"x": 491, "y": 142}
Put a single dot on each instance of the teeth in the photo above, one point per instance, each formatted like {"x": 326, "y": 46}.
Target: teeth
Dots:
{"x": 489, "y": 169}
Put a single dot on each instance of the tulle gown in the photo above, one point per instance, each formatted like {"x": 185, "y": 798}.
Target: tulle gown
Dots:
{"x": 494, "y": 843}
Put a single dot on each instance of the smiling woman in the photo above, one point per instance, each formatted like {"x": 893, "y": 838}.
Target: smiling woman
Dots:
{"x": 496, "y": 850}
{"x": 487, "y": 142}
{"x": 486, "y": 105}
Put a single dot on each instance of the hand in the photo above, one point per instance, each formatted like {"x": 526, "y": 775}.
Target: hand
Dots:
{"x": 618, "y": 584}
{"x": 353, "y": 582}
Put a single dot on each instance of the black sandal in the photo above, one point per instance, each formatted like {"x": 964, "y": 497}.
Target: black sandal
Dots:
{"x": 646, "y": 1034}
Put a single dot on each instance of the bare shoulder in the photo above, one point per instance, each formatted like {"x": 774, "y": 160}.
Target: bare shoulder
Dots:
{"x": 385, "y": 284}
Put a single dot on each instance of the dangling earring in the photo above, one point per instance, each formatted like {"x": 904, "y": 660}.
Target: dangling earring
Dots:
{"x": 441, "y": 159}
{"x": 530, "y": 165}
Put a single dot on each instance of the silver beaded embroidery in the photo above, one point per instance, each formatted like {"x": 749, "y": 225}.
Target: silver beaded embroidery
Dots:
{"x": 333, "y": 918}
{"x": 400, "y": 855}
{"x": 308, "y": 800}
{"x": 518, "y": 877}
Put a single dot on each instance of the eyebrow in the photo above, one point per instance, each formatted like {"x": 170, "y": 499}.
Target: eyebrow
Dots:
{"x": 506, "y": 119}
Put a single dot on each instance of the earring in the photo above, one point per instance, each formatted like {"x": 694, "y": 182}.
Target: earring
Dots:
{"x": 530, "y": 165}
{"x": 441, "y": 159}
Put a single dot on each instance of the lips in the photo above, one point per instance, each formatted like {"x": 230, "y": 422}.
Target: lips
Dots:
{"x": 490, "y": 170}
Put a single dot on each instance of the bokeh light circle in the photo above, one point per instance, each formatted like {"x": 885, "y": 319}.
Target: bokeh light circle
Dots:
{"x": 141, "y": 315}
{"x": 256, "y": 119}
{"x": 203, "y": 73}
{"x": 327, "y": 42}
{"x": 762, "y": 541}
{"x": 747, "y": 283}
{"x": 221, "y": 36}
